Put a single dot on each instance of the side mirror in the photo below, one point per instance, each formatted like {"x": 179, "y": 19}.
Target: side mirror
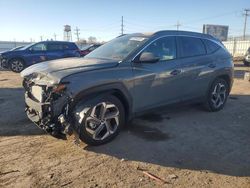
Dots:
{"x": 148, "y": 57}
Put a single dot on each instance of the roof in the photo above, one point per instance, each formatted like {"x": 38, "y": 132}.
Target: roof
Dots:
{"x": 186, "y": 33}
{"x": 55, "y": 41}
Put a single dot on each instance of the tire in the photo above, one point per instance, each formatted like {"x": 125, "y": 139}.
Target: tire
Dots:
{"x": 96, "y": 128}
{"x": 17, "y": 65}
{"x": 217, "y": 95}
{"x": 246, "y": 63}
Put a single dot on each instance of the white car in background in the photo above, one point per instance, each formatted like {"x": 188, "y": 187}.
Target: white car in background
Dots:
{"x": 247, "y": 58}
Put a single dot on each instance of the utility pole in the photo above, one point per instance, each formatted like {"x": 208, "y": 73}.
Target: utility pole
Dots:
{"x": 77, "y": 32}
{"x": 55, "y": 35}
{"x": 177, "y": 25}
{"x": 245, "y": 23}
{"x": 41, "y": 37}
{"x": 122, "y": 27}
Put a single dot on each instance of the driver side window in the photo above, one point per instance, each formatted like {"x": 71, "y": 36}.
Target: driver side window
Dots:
{"x": 164, "y": 48}
{"x": 39, "y": 47}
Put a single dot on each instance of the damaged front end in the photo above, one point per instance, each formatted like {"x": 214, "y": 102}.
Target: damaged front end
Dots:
{"x": 47, "y": 104}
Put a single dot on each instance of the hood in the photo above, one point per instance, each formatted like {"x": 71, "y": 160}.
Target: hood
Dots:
{"x": 61, "y": 68}
{"x": 10, "y": 53}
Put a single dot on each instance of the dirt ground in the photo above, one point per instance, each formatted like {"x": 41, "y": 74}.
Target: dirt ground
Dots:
{"x": 184, "y": 146}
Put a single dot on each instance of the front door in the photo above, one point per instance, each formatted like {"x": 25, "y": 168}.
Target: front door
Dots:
{"x": 158, "y": 83}
{"x": 37, "y": 53}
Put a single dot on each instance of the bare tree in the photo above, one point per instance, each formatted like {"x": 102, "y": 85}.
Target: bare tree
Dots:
{"x": 81, "y": 43}
{"x": 92, "y": 40}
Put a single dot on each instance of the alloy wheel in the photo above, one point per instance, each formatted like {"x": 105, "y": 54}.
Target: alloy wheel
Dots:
{"x": 17, "y": 66}
{"x": 219, "y": 95}
{"x": 102, "y": 121}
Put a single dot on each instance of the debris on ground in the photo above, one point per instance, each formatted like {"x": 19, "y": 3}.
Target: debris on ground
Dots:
{"x": 173, "y": 176}
{"x": 152, "y": 176}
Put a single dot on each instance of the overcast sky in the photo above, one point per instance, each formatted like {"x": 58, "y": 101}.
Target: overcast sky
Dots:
{"x": 25, "y": 19}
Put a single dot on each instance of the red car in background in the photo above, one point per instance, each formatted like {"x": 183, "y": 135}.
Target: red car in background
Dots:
{"x": 84, "y": 51}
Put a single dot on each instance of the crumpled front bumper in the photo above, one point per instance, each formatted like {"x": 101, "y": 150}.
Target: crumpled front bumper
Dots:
{"x": 46, "y": 115}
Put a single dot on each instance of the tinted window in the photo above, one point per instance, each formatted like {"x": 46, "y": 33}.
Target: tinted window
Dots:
{"x": 164, "y": 48}
{"x": 190, "y": 46}
{"x": 66, "y": 46}
{"x": 39, "y": 47}
{"x": 69, "y": 46}
{"x": 211, "y": 46}
{"x": 55, "y": 47}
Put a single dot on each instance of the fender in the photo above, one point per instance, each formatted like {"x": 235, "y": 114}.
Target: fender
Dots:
{"x": 117, "y": 89}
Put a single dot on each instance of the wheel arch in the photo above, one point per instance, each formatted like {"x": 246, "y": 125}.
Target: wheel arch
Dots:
{"x": 226, "y": 78}
{"x": 18, "y": 57}
{"x": 116, "y": 89}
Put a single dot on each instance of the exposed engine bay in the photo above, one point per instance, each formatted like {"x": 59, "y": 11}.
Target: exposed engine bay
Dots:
{"x": 47, "y": 105}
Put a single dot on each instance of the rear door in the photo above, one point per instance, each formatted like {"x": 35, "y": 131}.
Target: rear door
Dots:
{"x": 55, "y": 51}
{"x": 71, "y": 50}
{"x": 158, "y": 83}
{"x": 194, "y": 65}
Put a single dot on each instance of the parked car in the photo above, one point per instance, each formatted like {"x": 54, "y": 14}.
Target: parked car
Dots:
{"x": 19, "y": 59}
{"x": 247, "y": 58}
{"x": 96, "y": 95}
{"x": 86, "y": 50}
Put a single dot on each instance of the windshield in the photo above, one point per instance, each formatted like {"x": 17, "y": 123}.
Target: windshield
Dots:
{"x": 26, "y": 47}
{"x": 118, "y": 48}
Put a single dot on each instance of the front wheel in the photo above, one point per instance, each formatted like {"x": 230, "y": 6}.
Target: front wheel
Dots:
{"x": 99, "y": 120}
{"x": 217, "y": 95}
{"x": 17, "y": 65}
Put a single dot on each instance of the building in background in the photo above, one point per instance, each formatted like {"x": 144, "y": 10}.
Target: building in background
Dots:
{"x": 218, "y": 31}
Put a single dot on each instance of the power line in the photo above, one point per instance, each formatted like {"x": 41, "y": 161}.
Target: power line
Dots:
{"x": 211, "y": 17}
{"x": 245, "y": 23}
{"x": 77, "y": 32}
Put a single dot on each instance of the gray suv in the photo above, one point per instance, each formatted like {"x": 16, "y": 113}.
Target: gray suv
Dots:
{"x": 95, "y": 96}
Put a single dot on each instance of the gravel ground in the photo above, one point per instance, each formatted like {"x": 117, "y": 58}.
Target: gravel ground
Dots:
{"x": 185, "y": 146}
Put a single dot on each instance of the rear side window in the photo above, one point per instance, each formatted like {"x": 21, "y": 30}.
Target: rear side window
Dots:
{"x": 190, "y": 46}
{"x": 210, "y": 46}
{"x": 55, "y": 47}
{"x": 69, "y": 46}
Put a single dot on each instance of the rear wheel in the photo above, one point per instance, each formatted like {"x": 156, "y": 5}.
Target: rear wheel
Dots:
{"x": 217, "y": 95}
{"x": 17, "y": 65}
{"x": 100, "y": 120}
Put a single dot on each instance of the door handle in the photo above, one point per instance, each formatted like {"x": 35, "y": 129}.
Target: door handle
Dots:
{"x": 175, "y": 72}
{"x": 212, "y": 65}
